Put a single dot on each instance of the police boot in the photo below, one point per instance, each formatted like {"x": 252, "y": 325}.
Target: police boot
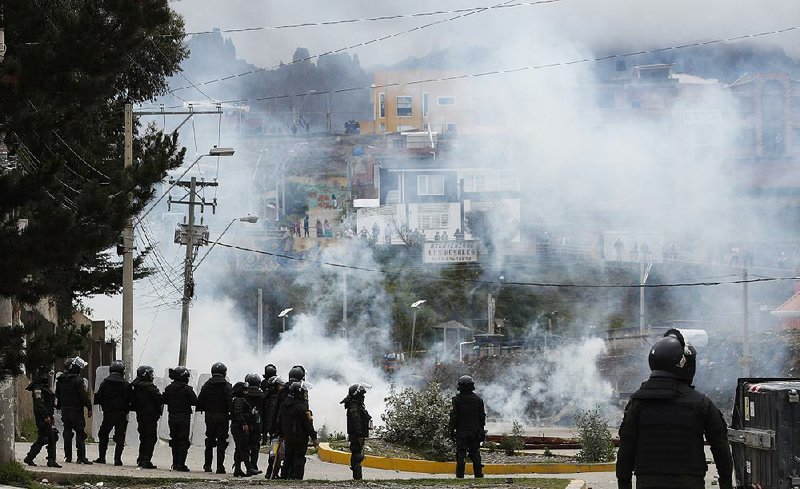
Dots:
{"x": 237, "y": 471}
{"x": 82, "y": 455}
{"x": 358, "y": 473}
{"x": 51, "y": 457}
{"x": 102, "y": 447}
{"x": 209, "y": 455}
{"x": 479, "y": 472}
{"x": 68, "y": 451}
{"x": 29, "y": 460}
{"x": 221, "y": 459}
{"x": 118, "y": 454}
{"x": 270, "y": 465}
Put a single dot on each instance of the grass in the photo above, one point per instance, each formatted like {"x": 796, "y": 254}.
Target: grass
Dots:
{"x": 28, "y": 431}
{"x": 380, "y": 448}
{"x": 14, "y": 474}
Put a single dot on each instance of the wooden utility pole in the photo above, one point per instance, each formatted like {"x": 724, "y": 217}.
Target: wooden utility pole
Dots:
{"x": 127, "y": 260}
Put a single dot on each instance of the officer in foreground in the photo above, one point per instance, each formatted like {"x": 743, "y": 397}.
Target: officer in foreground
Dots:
{"x": 467, "y": 423}
{"x": 216, "y": 401}
{"x": 296, "y": 374}
{"x": 274, "y": 388}
{"x": 113, "y": 397}
{"x": 296, "y": 427}
{"x": 179, "y": 398}
{"x": 71, "y": 399}
{"x": 43, "y": 407}
{"x": 661, "y": 435}
{"x": 147, "y": 402}
{"x": 266, "y": 420}
{"x": 358, "y": 424}
{"x": 241, "y": 420}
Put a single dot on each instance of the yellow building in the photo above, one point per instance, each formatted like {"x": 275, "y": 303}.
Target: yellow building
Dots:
{"x": 401, "y": 103}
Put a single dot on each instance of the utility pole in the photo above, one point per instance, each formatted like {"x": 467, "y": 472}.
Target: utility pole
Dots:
{"x": 644, "y": 273}
{"x": 344, "y": 302}
{"x": 745, "y": 313}
{"x": 260, "y": 322}
{"x": 192, "y": 236}
{"x": 127, "y": 259}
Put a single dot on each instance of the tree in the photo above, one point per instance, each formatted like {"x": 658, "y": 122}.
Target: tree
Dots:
{"x": 61, "y": 112}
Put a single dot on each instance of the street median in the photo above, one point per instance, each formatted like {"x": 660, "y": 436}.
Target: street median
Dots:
{"x": 327, "y": 454}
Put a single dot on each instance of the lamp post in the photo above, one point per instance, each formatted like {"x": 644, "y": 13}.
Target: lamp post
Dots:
{"x": 248, "y": 218}
{"x": 283, "y": 315}
{"x": 188, "y": 280}
{"x": 296, "y": 117}
{"x": 415, "y": 306}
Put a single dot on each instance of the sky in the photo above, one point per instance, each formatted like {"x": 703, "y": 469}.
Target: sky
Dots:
{"x": 605, "y": 25}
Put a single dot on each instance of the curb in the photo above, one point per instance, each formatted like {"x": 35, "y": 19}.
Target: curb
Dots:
{"x": 576, "y": 484}
{"x": 327, "y": 454}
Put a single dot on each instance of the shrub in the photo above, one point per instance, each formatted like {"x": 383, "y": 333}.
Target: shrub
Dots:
{"x": 324, "y": 434}
{"x": 14, "y": 474}
{"x": 490, "y": 445}
{"x": 593, "y": 434}
{"x": 514, "y": 442}
{"x": 418, "y": 420}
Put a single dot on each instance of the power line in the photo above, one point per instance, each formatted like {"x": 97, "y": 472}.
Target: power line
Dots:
{"x": 352, "y": 46}
{"x": 498, "y": 282}
{"x": 523, "y": 68}
{"x": 359, "y": 20}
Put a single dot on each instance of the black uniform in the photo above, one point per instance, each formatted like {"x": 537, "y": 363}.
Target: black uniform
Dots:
{"x": 114, "y": 397}
{"x": 661, "y": 437}
{"x": 467, "y": 422}
{"x": 215, "y": 400}
{"x": 71, "y": 399}
{"x": 240, "y": 429}
{"x": 255, "y": 397}
{"x": 269, "y": 425}
{"x": 270, "y": 394}
{"x": 43, "y": 409}
{"x": 179, "y": 398}
{"x": 357, "y": 431}
{"x": 148, "y": 402}
{"x": 295, "y": 426}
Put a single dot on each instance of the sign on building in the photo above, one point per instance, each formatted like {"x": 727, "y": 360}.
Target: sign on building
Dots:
{"x": 450, "y": 252}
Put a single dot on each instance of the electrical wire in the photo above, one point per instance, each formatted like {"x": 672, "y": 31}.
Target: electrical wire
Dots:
{"x": 520, "y": 69}
{"x": 388, "y": 271}
{"x": 356, "y": 45}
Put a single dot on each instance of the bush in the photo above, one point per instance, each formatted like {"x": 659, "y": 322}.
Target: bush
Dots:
{"x": 418, "y": 420}
{"x": 511, "y": 444}
{"x": 593, "y": 434}
{"x": 324, "y": 434}
{"x": 14, "y": 474}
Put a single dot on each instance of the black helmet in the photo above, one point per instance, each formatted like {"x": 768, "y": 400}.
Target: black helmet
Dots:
{"x": 117, "y": 367}
{"x": 668, "y": 357}
{"x": 179, "y": 373}
{"x": 145, "y": 372}
{"x": 298, "y": 387}
{"x": 275, "y": 381}
{"x": 253, "y": 380}
{"x": 238, "y": 389}
{"x": 357, "y": 390}
{"x": 270, "y": 371}
{"x": 74, "y": 365}
{"x": 219, "y": 368}
{"x": 466, "y": 384}
{"x": 689, "y": 352}
{"x": 297, "y": 373}
{"x": 42, "y": 375}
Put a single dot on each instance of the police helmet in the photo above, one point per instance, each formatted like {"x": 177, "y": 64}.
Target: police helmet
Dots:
{"x": 270, "y": 371}
{"x": 668, "y": 357}
{"x": 239, "y": 388}
{"x": 275, "y": 381}
{"x": 466, "y": 384}
{"x": 357, "y": 390}
{"x": 253, "y": 380}
{"x": 145, "y": 372}
{"x": 179, "y": 373}
{"x": 298, "y": 387}
{"x": 74, "y": 365}
{"x": 117, "y": 367}
{"x": 219, "y": 368}
{"x": 689, "y": 352}
{"x": 297, "y": 373}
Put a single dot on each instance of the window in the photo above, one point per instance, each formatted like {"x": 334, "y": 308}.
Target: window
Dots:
{"x": 474, "y": 182}
{"x": 433, "y": 216}
{"x": 451, "y": 128}
{"x": 382, "y": 105}
{"x": 404, "y": 106}
{"x": 430, "y": 184}
{"x": 446, "y": 101}
{"x": 425, "y": 106}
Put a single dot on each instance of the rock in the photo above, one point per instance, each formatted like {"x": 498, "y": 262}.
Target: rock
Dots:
{"x": 100, "y": 484}
{"x": 45, "y": 481}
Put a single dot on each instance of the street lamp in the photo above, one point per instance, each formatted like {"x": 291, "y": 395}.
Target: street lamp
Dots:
{"x": 414, "y": 306}
{"x": 297, "y": 112}
{"x": 283, "y": 315}
{"x": 248, "y": 218}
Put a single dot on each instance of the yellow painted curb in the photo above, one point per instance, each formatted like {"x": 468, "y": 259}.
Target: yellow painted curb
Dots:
{"x": 327, "y": 454}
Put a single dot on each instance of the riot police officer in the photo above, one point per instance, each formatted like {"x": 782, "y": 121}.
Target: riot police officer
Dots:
{"x": 274, "y": 388}
{"x": 296, "y": 427}
{"x": 296, "y": 374}
{"x": 467, "y": 423}
{"x": 43, "y": 409}
{"x": 113, "y": 397}
{"x": 358, "y": 425}
{"x": 661, "y": 435}
{"x": 269, "y": 371}
{"x": 71, "y": 399}
{"x": 240, "y": 429}
{"x": 148, "y": 403}
{"x": 215, "y": 400}
{"x": 255, "y": 397}
{"x": 179, "y": 398}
